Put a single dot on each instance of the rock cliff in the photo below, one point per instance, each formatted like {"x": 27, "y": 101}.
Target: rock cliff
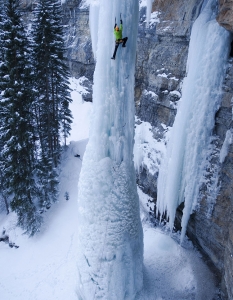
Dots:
{"x": 162, "y": 55}
{"x": 78, "y": 42}
{"x": 161, "y": 66}
{"x": 212, "y": 232}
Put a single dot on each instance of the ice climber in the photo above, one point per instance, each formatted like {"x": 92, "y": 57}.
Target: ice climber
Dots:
{"x": 118, "y": 36}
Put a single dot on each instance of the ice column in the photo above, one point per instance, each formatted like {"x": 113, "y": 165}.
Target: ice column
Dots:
{"x": 110, "y": 249}
{"x": 148, "y": 12}
{"x": 182, "y": 168}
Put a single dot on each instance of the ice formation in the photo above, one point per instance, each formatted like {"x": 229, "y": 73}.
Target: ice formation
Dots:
{"x": 110, "y": 252}
{"x": 148, "y": 11}
{"x": 184, "y": 163}
{"x": 225, "y": 146}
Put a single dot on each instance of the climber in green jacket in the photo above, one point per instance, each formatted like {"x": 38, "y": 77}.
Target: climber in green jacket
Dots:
{"x": 118, "y": 37}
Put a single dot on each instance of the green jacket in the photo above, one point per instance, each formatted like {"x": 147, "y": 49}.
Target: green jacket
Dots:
{"x": 118, "y": 34}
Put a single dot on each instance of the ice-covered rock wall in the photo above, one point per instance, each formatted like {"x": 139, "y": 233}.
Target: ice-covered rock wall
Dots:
{"x": 182, "y": 169}
{"x": 110, "y": 232}
{"x": 161, "y": 62}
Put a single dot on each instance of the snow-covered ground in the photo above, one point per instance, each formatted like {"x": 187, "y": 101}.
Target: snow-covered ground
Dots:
{"x": 44, "y": 267}
{"x": 147, "y": 150}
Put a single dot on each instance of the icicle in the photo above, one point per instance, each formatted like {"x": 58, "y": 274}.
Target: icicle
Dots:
{"x": 225, "y": 146}
{"x": 148, "y": 12}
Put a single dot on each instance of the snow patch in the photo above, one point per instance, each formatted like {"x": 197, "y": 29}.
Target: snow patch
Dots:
{"x": 175, "y": 93}
{"x": 81, "y": 111}
{"x": 147, "y": 150}
{"x": 162, "y": 75}
{"x": 152, "y": 19}
{"x": 85, "y": 3}
{"x": 142, "y": 3}
{"x": 170, "y": 271}
{"x": 150, "y": 93}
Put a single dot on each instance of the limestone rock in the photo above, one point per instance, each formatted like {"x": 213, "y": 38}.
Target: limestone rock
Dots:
{"x": 78, "y": 39}
{"x": 160, "y": 69}
{"x": 176, "y": 16}
{"x": 225, "y": 16}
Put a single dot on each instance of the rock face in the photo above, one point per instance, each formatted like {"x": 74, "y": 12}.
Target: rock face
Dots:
{"x": 213, "y": 232}
{"x": 161, "y": 62}
{"x": 161, "y": 66}
{"x": 78, "y": 41}
{"x": 225, "y": 16}
{"x": 160, "y": 69}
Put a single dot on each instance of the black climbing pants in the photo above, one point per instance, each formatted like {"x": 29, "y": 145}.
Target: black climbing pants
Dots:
{"x": 118, "y": 42}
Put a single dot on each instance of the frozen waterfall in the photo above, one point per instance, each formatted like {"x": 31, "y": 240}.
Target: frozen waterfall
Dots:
{"x": 110, "y": 252}
{"x": 183, "y": 165}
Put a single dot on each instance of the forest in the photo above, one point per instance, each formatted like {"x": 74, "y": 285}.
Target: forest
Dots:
{"x": 34, "y": 110}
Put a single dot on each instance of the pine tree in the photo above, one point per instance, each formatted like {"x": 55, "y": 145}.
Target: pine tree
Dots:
{"x": 53, "y": 96}
{"x": 17, "y": 121}
{"x": 3, "y": 193}
{"x": 61, "y": 74}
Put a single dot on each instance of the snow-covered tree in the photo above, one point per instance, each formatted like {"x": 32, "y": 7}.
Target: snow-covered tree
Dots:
{"x": 3, "y": 200}
{"x": 60, "y": 73}
{"x": 52, "y": 107}
{"x": 17, "y": 120}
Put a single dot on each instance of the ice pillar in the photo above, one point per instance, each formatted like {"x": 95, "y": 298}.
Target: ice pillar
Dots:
{"x": 110, "y": 250}
{"x": 148, "y": 12}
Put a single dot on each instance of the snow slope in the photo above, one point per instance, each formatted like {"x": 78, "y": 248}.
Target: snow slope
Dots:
{"x": 45, "y": 267}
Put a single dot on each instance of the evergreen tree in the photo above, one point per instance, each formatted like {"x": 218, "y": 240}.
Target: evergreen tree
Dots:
{"x": 52, "y": 107}
{"x": 3, "y": 193}
{"x": 61, "y": 74}
{"x": 17, "y": 121}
